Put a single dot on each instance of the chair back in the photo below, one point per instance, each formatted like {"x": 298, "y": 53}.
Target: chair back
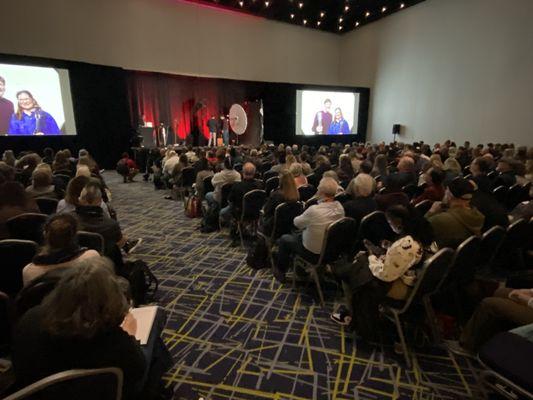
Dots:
{"x": 430, "y": 277}
{"x": 208, "y": 185}
{"x": 284, "y": 215}
{"x": 264, "y": 168}
{"x": 518, "y": 234}
{"x": 238, "y": 167}
{"x": 188, "y": 176}
{"x": 492, "y": 175}
{"x": 311, "y": 202}
{"x": 306, "y": 192}
{"x": 79, "y": 384}
{"x": 5, "y": 322}
{"x": 514, "y": 196}
{"x": 15, "y": 255}
{"x": 65, "y": 179}
{"x": 500, "y": 193}
{"x": 410, "y": 190}
{"x": 423, "y": 207}
{"x": 91, "y": 240}
{"x": 312, "y": 179}
{"x": 343, "y": 197}
{"x": 463, "y": 267}
{"x": 269, "y": 174}
{"x": 338, "y": 239}
{"x": 491, "y": 242}
{"x": 374, "y": 227}
{"x": 27, "y": 226}
{"x": 66, "y": 172}
{"x": 271, "y": 184}
{"x": 47, "y": 205}
{"x": 252, "y": 203}
{"x": 224, "y": 194}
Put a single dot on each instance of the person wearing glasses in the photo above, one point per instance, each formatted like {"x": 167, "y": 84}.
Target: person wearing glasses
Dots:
{"x": 30, "y": 118}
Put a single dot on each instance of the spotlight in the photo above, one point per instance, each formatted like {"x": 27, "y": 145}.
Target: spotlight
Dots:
{"x": 356, "y": 24}
{"x": 383, "y": 9}
{"x": 305, "y": 22}
{"x": 241, "y": 3}
{"x": 322, "y": 13}
{"x": 367, "y": 14}
{"x": 300, "y": 4}
{"x": 346, "y": 8}
{"x": 340, "y": 27}
{"x": 267, "y": 3}
{"x": 340, "y": 20}
{"x": 402, "y": 5}
{"x": 292, "y": 16}
{"x": 318, "y": 23}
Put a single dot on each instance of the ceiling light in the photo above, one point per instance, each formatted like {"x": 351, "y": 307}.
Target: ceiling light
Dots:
{"x": 241, "y": 3}
{"x": 300, "y": 4}
{"x": 346, "y": 8}
{"x": 383, "y": 9}
{"x": 305, "y": 22}
{"x": 318, "y": 23}
{"x": 322, "y": 13}
{"x": 367, "y": 14}
{"x": 267, "y": 3}
{"x": 292, "y": 16}
{"x": 402, "y": 5}
{"x": 356, "y": 24}
{"x": 340, "y": 19}
{"x": 340, "y": 27}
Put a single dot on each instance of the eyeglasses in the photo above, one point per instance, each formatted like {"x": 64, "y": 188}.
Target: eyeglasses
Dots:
{"x": 24, "y": 99}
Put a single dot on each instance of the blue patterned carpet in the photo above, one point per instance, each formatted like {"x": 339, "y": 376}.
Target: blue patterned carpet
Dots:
{"x": 238, "y": 334}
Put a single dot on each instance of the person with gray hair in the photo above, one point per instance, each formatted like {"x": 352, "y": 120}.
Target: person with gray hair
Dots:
{"x": 361, "y": 189}
{"x": 313, "y": 223}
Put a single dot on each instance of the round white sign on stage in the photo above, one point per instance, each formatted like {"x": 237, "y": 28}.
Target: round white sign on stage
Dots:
{"x": 238, "y": 119}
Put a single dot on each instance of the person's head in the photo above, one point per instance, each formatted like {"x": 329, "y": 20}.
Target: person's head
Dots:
{"x": 406, "y": 221}
{"x": 331, "y": 174}
{"x": 203, "y": 164}
{"x": 41, "y": 178}
{"x": 248, "y": 171}
{"x": 504, "y": 165}
{"x": 327, "y": 188}
{"x": 338, "y": 114}
{"x": 125, "y": 155}
{"x": 288, "y": 187}
{"x": 459, "y": 192}
{"x": 363, "y": 185}
{"x": 452, "y": 165}
{"x": 7, "y": 172}
{"x": 228, "y": 163}
{"x": 406, "y": 164}
{"x": 74, "y": 188}
{"x": 480, "y": 166}
{"x": 346, "y": 164}
{"x": 88, "y": 299}
{"x": 289, "y": 160}
{"x": 91, "y": 195}
{"x": 365, "y": 167}
{"x": 60, "y": 232}
{"x": 327, "y": 104}
{"x": 2, "y": 86}
{"x": 436, "y": 161}
{"x": 184, "y": 161}
{"x": 85, "y": 153}
{"x": 13, "y": 194}
{"x": 83, "y": 170}
{"x": 9, "y": 158}
{"x": 380, "y": 164}
{"x": 296, "y": 169}
{"x": 26, "y": 102}
{"x": 48, "y": 152}
{"x": 434, "y": 176}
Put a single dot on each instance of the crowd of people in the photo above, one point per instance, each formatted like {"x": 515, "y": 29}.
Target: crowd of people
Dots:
{"x": 457, "y": 185}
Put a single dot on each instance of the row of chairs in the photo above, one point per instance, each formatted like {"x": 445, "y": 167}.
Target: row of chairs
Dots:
{"x": 512, "y": 196}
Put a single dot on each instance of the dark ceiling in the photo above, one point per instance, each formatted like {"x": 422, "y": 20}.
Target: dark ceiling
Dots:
{"x": 338, "y": 16}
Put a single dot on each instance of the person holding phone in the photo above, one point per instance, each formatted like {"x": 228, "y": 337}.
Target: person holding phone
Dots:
{"x": 30, "y": 118}
{"x": 381, "y": 271}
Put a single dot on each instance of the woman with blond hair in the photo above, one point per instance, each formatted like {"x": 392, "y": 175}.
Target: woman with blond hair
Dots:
{"x": 287, "y": 193}
{"x": 297, "y": 172}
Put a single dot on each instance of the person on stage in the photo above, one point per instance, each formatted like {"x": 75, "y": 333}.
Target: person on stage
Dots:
{"x": 30, "y": 118}
{"x": 339, "y": 126}
{"x": 212, "y": 124}
{"x": 323, "y": 119}
{"x": 225, "y": 129}
{"x": 6, "y": 108}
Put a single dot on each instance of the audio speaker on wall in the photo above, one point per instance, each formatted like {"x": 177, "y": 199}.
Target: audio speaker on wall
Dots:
{"x": 396, "y": 129}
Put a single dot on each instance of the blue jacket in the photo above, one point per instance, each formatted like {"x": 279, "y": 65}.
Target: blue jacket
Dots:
{"x": 339, "y": 128}
{"x": 29, "y": 124}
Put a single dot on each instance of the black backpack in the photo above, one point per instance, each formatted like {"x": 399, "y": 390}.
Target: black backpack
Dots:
{"x": 143, "y": 283}
{"x": 257, "y": 257}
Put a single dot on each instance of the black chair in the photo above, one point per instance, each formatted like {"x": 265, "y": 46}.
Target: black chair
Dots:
{"x": 271, "y": 184}
{"x": 27, "y": 226}
{"x": 188, "y": 178}
{"x": 65, "y": 179}
{"x": 208, "y": 185}
{"x": 506, "y": 359}
{"x": 338, "y": 240}
{"x": 224, "y": 194}
{"x": 5, "y": 323}
{"x": 424, "y": 206}
{"x": 306, "y": 192}
{"x": 47, "y": 205}
{"x": 511, "y": 254}
{"x": 284, "y": 215}
{"x": 311, "y": 202}
{"x": 410, "y": 190}
{"x": 490, "y": 244}
{"x": 238, "y": 168}
{"x": 66, "y": 172}
{"x": 500, "y": 194}
{"x": 15, "y": 255}
{"x": 514, "y": 196}
{"x": 375, "y": 228}
{"x": 429, "y": 279}
{"x": 264, "y": 168}
{"x": 252, "y": 203}
{"x": 312, "y": 179}
{"x": 526, "y": 188}
{"x": 92, "y": 240}
{"x": 269, "y": 174}
{"x": 343, "y": 197}
{"x": 492, "y": 175}
{"x": 79, "y": 384}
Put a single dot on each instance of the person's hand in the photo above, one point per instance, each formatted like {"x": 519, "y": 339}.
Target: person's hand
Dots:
{"x": 436, "y": 207}
{"x": 521, "y": 296}
{"x": 129, "y": 325}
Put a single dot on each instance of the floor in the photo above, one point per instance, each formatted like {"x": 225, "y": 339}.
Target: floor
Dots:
{"x": 237, "y": 334}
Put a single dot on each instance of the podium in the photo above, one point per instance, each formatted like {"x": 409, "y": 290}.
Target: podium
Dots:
{"x": 148, "y": 137}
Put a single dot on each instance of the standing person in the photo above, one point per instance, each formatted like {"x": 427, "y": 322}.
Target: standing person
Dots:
{"x": 225, "y": 129}
{"x": 323, "y": 119}
{"x": 212, "y": 124}
{"x": 6, "y": 108}
{"x": 30, "y": 118}
{"x": 339, "y": 126}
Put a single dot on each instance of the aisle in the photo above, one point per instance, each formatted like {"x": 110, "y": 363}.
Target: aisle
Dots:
{"x": 237, "y": 334}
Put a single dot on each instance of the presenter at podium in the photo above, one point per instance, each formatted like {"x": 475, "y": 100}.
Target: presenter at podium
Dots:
{"x": 323, "y": 119}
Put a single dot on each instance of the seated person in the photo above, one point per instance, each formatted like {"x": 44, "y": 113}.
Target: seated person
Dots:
{"x": 204, "y": 170}
{"x": 14, "y": 201}
{"x": 41, "y": 185}
{"x": 71, "y": 200}
{"x": 405, "y": 175}
{"x": 382, "y": 271}
{"x": 434, "y": 190}
{"x": 507, "y": 176}
{"x": 313, "y": 223}
{"x": 84, "y": 323}
{"x": 504, "y": 310}
{"x": 227, "y": 175}
{"x": 127, "y": 168}
{"x": 362, "y": 203}
{"x": 393, "y": 195}
{"x": 60, "y": 248}
{"x": 297, "y": 172}
{"x": 454, "y": 219}
{"x": 452, "y": 169}
{"x": 287, "y": 193}
{"x": 238, "y": 191}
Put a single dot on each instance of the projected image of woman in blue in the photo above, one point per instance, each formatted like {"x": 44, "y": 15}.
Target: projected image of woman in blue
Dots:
{"x": 339, "y": 126}
{"x": 30, "y": 118}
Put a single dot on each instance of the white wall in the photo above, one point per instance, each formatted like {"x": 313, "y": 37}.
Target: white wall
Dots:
{"x": 169, "y": 36}
{"x": 447, "y": 69}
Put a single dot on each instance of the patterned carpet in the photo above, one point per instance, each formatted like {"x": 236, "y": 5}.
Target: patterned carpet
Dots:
{"x": 238, "y": 334}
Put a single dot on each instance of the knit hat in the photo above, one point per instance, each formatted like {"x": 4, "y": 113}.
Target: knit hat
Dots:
{"x": 462, "y": 188}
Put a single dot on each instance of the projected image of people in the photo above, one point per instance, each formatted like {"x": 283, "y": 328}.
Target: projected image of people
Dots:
{"x": 323, "y": 119}
{"x": 6, "y": 107}
{"x": 339, "y": 126}
{"x": 30, "y": 118}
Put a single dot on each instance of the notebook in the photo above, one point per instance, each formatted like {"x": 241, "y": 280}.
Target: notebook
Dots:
{"x": 145, "y": 317}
